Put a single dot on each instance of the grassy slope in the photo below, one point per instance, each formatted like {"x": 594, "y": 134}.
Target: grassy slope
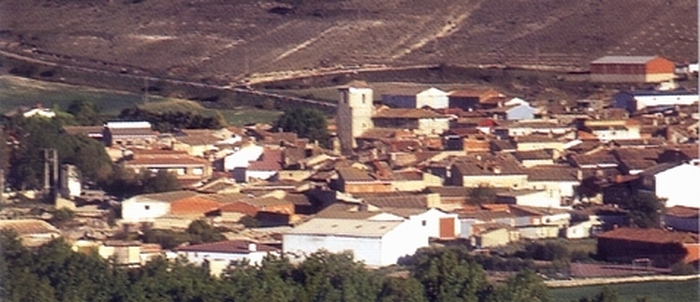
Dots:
{"x": 686, "y": 291}
{"x": 17, "y": 91}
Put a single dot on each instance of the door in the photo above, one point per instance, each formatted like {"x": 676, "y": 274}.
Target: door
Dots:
{"x": 447, "y": 227}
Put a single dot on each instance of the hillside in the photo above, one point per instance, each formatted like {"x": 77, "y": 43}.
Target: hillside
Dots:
{"x": 224, "y": 40}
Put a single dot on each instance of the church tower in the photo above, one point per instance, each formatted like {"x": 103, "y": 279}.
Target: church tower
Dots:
{"x": 354, "y": 114}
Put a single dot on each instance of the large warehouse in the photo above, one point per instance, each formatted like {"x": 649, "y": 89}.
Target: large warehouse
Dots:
{"x": 632, "y": 69}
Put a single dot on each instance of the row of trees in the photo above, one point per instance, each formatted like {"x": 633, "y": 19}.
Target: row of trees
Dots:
{"x": 167, "y": 121}
{"x": 54, "y": 272}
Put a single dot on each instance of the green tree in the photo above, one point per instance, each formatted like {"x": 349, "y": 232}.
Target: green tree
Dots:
{"x": 401, "y": 290}
{"x": 306, "y": 122}
{"x": 162, "y": 181}
{"x": 525, "y": 286}
{"x": 447, "y": 277}
{"x": 645, "y": 210}
{"x": 326, "y": 276}
{"x": 201, "y": 231}
{"x": 85, "y": 113}
{"x": 481, "y": 194}
{"x": 607, "y": 294}
{"x": 36, "y": 134}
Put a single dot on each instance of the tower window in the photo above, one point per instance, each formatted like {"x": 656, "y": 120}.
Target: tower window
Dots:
{"x": 345, "y": 97}
{"x": 363, "y": 98}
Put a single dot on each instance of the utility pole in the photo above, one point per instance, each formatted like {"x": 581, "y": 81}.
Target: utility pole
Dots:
{"x": 51, "y": 174}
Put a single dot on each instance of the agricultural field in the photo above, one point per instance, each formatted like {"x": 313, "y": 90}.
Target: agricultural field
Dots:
{"x": 18, "y": 91}
{"x": 230, "y": 40}
{"x": 685, "y": 291}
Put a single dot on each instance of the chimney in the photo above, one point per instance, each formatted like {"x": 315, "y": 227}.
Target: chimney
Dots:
{"x": 496, "y": 170}
{"x": 363, "y": 207}
{"x": 252, "y": 247}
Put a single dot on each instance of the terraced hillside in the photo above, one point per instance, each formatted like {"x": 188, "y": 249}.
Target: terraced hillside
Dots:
{"x": 224, "y": 40}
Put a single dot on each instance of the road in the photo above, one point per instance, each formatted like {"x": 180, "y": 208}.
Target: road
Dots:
{"x": 146, "y": 78}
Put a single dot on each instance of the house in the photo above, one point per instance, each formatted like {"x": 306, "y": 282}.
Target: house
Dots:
{"x": 148, "y": 207}
{"x": 416, "y": 98}
{"x": 238, "y": 160}
{"x": 420, "y": 121}
{"x": 538, "y": 222}
{"x": 199, "y": 142}
{"x": 557, "y": 181}
{"x": 188, "y": 169}
{"x": 353, "y": 180}
{"x": 674, "y": 182}
{"x": 470, "y": 99}
{"x": 496, "y": 170}
{"x": 528, "y": 127}
{"x": 217, "y": 256}
{"x": 632, "y": 69}
{"x": 534, "y": 157}
{"x": 32, "y": 232}
{"x": 635, "y": 160}
{"x": 608, "y": 130}
{"x": 71, "y": 185}
{"x": 664, "y": 248}
{"x": 582, "y": 229}
{"x": 636, "y": 100}
{"x": 493, "y": 234}
{"x": 533, "y": 198}
{"x": 266, "y": 167}
{"x": 137, "y": 133}
{"x": 538, "y": 142}
{"x": 514, "y": 112}
{"x": 468, "y": 221}
{"x": 36, "y": 111}
{"x": 373, "y": 242}
{"x": 467, "y": 139}
{"x": 682, "y": 218}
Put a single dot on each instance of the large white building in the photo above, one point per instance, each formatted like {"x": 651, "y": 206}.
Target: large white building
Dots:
{"x": 677, "y": 184}
{"x": 374, "y": 242}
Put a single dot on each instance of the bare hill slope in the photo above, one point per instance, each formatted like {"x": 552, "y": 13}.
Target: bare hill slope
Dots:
{"x": 225, "y": 39}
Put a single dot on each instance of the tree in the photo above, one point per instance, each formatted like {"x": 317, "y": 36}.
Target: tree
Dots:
{"x": 401, "y": 290}
{"x": 85, "y": 113}
{"x": 201, "y": 231}
{"x": 447, "y": 277}
{"x": 645, "y": 210}
{"x": 481, "y": 194}
{"x": 525, "y": 286}
{"x": 162, "y": 181}
{"x": 306, "y": 122}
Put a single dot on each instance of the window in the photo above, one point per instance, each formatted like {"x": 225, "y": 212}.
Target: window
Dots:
{"x": 181, "y": 171}
{"x": 424, "y": 223}
{"x": 364, "y": 97}
{"x": 147, "y": 207}
{"x": 345, "y": 97}
{"x": 197, "y": 171}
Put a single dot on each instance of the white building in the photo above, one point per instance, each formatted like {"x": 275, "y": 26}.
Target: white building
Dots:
{"x": 240, "y": 158}
{"x": 146, "y": 208}
{"x": 678, "y": 185}
{"x": 374, "y": 242}
{"x": 219, "y": 255}
{"x": 433, "y": 98}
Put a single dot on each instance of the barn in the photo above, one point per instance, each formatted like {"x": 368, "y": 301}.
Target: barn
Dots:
{"x": 632, "y": 69}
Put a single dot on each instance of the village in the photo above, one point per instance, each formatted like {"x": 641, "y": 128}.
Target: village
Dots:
{"x": 409, "y": 169}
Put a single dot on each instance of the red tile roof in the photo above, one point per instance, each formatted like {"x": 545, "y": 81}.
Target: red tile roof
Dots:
{"x": 271, "y": 160}
{"x": 657, "y": 236}
{"x": 194, "y": 205}
{"x": 683, "y": 212}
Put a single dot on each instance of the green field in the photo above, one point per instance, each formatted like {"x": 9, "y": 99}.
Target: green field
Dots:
{"x": 18, "y": 91}
{"x": 682, "y": 291}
